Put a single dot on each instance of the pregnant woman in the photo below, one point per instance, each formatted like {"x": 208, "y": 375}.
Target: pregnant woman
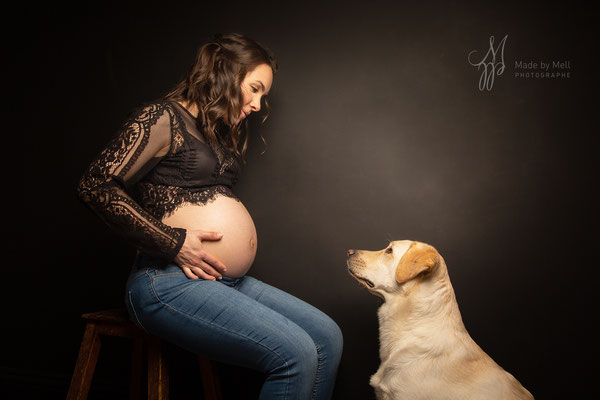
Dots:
{"x": 164, "y": 183}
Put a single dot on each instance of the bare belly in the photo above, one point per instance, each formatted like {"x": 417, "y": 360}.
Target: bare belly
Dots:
{"x": 228, "y": 216}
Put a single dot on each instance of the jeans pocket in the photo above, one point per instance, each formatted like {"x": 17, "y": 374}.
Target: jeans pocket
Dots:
{"x": 167, "y": 285}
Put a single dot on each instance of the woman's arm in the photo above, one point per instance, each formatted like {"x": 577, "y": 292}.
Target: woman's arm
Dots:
{"x": 144, "y": 139}
{"x": 139, "y": 146}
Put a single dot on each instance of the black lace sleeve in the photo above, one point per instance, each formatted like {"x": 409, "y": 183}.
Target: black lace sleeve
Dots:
{"x": 125, "y": 159}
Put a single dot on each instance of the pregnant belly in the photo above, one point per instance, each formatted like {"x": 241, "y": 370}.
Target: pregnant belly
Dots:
{"x": 237, "y": 247}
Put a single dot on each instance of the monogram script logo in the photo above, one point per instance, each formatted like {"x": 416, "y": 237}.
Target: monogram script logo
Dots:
{"x": 491, "y": 65}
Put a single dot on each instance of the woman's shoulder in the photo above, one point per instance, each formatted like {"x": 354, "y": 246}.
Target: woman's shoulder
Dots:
{"x": 159, "y": 111}
{"x": 153, "y": 107}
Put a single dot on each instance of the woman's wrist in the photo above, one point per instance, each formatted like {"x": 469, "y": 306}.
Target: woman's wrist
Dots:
{"x": 176, "y": 243}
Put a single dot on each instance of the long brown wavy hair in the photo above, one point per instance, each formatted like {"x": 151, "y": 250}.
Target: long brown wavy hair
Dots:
{"x": 213, "y": 85}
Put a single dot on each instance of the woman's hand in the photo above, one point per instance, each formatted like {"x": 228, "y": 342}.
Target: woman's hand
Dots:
{"x": 194, "y": 261}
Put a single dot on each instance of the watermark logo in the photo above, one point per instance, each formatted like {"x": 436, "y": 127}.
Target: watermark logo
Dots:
{"x": 542, "y": 69}
{"x": 491, "y": 64}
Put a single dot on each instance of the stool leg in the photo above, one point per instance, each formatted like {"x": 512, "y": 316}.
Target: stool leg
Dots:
{"x": 210, "y": 380}
{"x": 137, "y": 354}
{"x": 158, "y": 375}
{"x": 86, "y": 363}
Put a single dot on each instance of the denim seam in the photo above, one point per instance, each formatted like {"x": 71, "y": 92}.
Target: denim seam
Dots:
{"x": 165, "y": 275}
{"x": 134, "y": 312}
{"x": 320, "y": 360}
{"x": 227, "y": 330}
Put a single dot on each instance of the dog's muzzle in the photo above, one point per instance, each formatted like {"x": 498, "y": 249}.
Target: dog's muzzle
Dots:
{"x": 356, "y": 263}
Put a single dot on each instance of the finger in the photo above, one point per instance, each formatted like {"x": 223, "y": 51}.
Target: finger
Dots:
{"x": 210, "y": 236}
{"x": 188, "y": 272}
{"x": 214, "y": 262}
{"x": 206, "y": 267}
{"x": 202, "y": 274}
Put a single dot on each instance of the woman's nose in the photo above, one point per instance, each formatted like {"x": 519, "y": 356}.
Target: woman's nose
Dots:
{"x": 255, "y": 105}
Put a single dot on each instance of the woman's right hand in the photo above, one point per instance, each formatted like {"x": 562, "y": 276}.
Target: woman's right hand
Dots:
{"x": 194, "y": 261}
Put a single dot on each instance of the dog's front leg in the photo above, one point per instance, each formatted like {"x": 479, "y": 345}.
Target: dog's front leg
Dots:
{"x": 382, "y": 392}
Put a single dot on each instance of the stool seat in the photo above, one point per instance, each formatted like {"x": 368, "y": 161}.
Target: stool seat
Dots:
{"x": 115, "y": 322}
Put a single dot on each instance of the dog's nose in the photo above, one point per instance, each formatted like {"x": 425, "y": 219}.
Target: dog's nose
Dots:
{"x": 351, "y": 252}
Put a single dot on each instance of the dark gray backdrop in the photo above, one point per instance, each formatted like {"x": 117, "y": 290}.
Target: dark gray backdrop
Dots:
{"x": 378, "y": 132}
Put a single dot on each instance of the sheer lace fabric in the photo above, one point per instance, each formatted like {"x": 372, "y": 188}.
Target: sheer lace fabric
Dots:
{"x": 157, "y": 162}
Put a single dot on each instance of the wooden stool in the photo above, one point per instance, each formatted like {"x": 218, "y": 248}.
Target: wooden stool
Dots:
{"x": 116, "y": 323}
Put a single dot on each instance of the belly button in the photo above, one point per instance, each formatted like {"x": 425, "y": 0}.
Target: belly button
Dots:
{"x": 252, "y": 243}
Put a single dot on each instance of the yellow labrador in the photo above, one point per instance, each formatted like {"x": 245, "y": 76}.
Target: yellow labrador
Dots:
{"x": 425, "y": 350}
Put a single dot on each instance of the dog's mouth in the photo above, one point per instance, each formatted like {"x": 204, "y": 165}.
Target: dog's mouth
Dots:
{"x": 361, "y": 280}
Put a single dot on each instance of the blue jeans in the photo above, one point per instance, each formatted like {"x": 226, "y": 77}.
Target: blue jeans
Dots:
{"x": 240, "y": 321}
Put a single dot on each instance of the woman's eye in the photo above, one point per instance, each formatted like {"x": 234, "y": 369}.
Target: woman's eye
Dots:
{"x": 389, "y": 250}
{"x": 254, "y": 90}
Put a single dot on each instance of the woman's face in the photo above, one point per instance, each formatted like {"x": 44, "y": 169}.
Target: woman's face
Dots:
{"x": 255, "y": 85}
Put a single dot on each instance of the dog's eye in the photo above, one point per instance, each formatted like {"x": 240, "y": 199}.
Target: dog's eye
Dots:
{"x": 389, "y": 250}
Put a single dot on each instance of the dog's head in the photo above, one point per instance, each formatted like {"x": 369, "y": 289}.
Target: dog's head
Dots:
{"x": 389, "y": 269}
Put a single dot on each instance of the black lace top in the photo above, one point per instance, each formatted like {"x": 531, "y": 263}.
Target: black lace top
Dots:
{"x": 132, "y": 186}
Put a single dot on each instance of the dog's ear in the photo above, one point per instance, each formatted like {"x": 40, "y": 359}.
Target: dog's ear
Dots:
{"x": 420, "y": 258}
